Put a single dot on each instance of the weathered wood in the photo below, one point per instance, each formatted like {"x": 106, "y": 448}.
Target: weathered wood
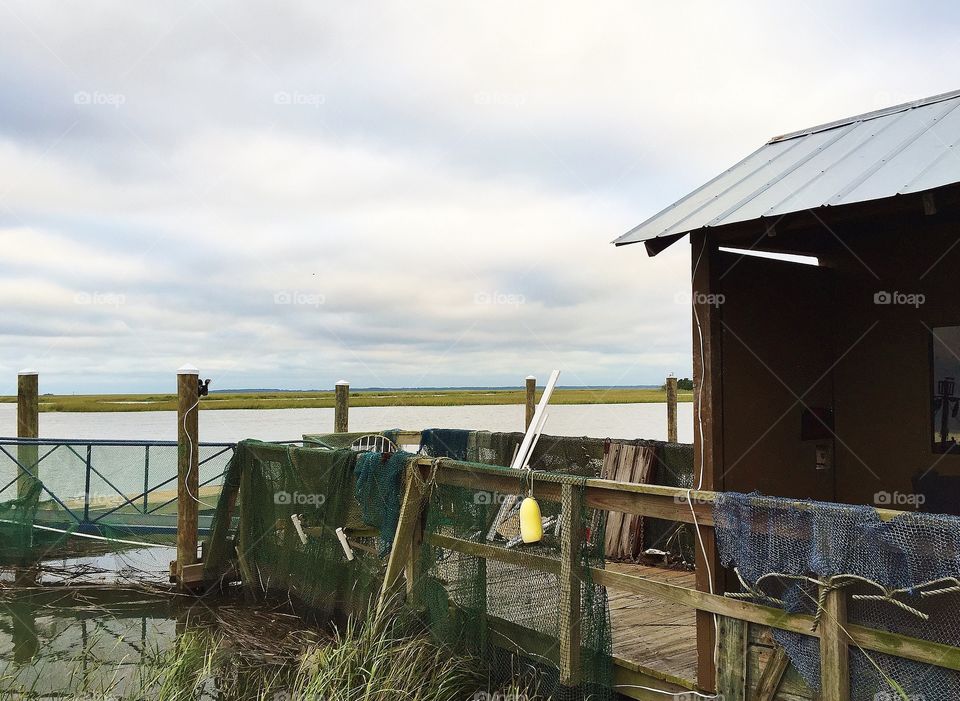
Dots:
{"x": 708, "y": 433}
{"x": 406, "y": 526}
{"x": 531, "y": 400}
{"x": 732, "y": 664}
{"x": 671, "y": 409}
{"x": 218, "y": 554}
{"x": 772, "y": 675}
{"x": 28, "y": 426}
{"x": 188, "y": 471}
{"x": 834, "y": 647}
{"x": 571, "y": 534}
{"x": 341, "y": 407}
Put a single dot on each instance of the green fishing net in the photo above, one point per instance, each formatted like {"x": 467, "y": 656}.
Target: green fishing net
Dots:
{"x": 17, "y": 516}
{"x": 509, "y": 614}
{"x": 301, "y": 559}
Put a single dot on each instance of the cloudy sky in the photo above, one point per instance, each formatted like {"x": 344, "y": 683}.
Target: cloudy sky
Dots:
{"x": 395, "y": 193}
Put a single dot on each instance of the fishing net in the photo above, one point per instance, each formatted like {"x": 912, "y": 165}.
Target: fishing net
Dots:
{"x": 577, "y": 456}
{"x": 292, "y": 501}
{"x": 379, "y": 490}
{"x": 673, "y": 467}
{"x": 509, "y": 614}
{"x": 912, "y": 560}
{"x": 17, "y": 516}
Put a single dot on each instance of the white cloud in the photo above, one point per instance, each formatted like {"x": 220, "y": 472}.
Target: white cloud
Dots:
{"x": 435, "y": 194}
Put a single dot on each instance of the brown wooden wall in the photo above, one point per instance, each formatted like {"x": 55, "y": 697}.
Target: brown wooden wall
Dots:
{"x": 789, "y": 331}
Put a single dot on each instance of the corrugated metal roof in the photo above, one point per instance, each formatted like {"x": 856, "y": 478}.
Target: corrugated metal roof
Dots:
{"x": 904, "y": 149}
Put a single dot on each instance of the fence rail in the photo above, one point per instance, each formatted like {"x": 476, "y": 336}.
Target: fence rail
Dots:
{"x": 671, "y": 503}
{"x": 89, "y": 484}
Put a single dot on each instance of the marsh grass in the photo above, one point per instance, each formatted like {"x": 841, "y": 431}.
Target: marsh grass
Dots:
{"x": 380, "y": 657}
{"x": 365, "y": 398}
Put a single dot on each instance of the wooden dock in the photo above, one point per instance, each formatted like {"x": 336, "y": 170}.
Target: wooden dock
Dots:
{"x": 658, "y": 636}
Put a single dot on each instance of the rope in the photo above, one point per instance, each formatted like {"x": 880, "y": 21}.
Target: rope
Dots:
{"x": 887, "y": 595}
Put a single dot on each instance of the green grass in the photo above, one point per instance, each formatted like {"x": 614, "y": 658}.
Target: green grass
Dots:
{"x": 382, "y": 657}
{"x": 311, "y": 400}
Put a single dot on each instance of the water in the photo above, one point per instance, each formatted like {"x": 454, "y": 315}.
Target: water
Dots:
{"x": 596, "y": 420}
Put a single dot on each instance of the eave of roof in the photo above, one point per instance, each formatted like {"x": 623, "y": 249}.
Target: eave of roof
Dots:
{"x": 905, "y": 149}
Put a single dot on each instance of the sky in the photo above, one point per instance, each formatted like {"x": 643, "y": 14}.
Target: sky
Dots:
{"x": 393, "y": 193}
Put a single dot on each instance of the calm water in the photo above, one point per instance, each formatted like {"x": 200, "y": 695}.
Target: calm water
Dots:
{"x": 596, "y": 420}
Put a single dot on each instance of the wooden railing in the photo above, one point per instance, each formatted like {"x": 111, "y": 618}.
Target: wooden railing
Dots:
{"x": 835, "y": 634}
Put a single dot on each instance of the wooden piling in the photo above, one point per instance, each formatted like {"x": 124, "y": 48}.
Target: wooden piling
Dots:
{"x": 341, "y": 407}
{"x": 28, "y": 426}
{"x": 672, "y": 409}
{"x": 188, "y": 480}
{"x": 531, "y": 387}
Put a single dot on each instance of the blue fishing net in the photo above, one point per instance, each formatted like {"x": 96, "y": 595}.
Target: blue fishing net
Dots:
{"x": 764, "y": 535}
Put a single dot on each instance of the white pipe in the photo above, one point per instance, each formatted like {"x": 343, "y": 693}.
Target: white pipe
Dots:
{"x": 537, "y": 423}
{"x": 525, "y": 451}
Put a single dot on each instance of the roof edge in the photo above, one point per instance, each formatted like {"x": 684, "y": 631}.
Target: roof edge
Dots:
{"x": 943, "y": 97}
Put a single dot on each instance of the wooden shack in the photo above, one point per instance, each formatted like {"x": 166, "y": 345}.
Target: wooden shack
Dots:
{"x": 826, "y": 317}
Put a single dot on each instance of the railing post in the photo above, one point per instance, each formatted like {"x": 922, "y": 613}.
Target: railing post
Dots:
{"x": 834, "y": 647}
{"x": 86, "y": 487}
{"x": 569, "y": 633}
{"x": 531, "y": 387}
{"x": 671, "y": 409}
{"x": 28, "y": 426}
{"x": 188, "y": 458}
{"x": 341, "y": 407}
{"x": 146, "y": 478}
{"x": 732, "y": 663}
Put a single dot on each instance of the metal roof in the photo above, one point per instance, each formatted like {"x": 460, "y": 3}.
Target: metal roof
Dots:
{"x": 904, "y": 149}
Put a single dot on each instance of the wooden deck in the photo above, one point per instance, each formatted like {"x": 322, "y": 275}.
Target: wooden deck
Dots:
{"x": 659, "y": 636}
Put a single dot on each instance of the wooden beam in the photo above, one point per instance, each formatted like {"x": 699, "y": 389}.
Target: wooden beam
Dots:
{"x": 708, "y": 433}
{"x": 571, "y": 533}
{"x": 188, "y": 469}
{"x": 772, "y": 675}
{"x": 671, "y": 409}
{"x": 732, "y": 664}
{"x": 406, "y": 527}
{"x": 834, "y": 647}
{"x": 218, "y": 555}
{"x": 341, "y": 407}
{"x": 28, "y": 426}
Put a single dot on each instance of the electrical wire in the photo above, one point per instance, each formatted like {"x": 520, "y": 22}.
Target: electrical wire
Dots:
{"x": 186, "y": 483}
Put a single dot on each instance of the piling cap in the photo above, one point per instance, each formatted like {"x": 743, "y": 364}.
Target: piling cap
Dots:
{"x": 531, "y": 377}
{"x": 187, "y": 369}
{"x": 27, "y": 371}
{"x": 342, "y": 383}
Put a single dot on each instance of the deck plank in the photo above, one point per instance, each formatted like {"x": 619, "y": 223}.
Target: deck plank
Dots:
{"x": 660, "y": 636}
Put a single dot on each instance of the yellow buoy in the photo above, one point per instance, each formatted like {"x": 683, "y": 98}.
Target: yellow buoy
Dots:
{"x": 531, "y": 524}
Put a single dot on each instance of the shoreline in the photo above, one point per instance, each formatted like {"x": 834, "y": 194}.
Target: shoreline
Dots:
{"x": 111, "y": 403}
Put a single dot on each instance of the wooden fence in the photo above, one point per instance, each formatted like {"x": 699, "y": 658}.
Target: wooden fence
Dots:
{"x": 734, "y": 616}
